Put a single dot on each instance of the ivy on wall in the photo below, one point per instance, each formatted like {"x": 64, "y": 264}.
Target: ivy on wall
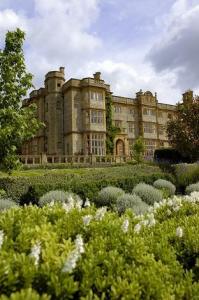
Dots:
{"x": 111, "y": 130}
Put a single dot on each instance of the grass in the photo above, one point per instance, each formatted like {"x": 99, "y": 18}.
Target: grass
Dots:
{"x": 105, "y": 172}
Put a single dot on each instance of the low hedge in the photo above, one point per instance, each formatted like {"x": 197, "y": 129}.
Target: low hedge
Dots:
{"x": 25, "y": 190}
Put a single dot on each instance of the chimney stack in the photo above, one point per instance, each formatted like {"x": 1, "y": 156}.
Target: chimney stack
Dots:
{"x": 97, "y": 76}
{"x": 61, "y": 70}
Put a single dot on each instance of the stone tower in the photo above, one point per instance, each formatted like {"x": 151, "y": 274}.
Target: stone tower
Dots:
{"x": 187, "y": 97}
{"x": 54, "y": 81}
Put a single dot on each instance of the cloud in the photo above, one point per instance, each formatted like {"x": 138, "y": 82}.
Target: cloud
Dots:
{"x": 127, "y": 79}
{"x": 67, "y": 32}
{"x": 57, "y": 33}
{"x": 177, "y": 50}
{"x": 9, "y": 20}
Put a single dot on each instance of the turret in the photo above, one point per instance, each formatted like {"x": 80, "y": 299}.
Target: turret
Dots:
{"x": 187, "y": 97}
{"x": 54, "y": 80}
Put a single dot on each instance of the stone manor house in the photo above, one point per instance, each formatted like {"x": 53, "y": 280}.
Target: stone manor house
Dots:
{"x": 74, "y": 113}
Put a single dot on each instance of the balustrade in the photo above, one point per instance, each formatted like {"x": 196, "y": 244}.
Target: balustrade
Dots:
{"x": 72, "y": 159}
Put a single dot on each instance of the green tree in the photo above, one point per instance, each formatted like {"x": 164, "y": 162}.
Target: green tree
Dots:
{"x": 183, "y": 131}
{"x": 138, "y": 149}
{"x": 111, "y": 130}
{"x": 17, "y": 124}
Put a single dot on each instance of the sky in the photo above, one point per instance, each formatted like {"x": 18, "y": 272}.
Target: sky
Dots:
{"x": 135, "y": 44}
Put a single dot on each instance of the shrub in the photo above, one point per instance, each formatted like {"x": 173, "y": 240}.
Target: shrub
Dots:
{"x": 26, "y": 294}
{"x": 86, "y": 182}
{"x": 108, "y": 196}
{"x": 6, "y": 204}
{"x": 186, "y": 174}
{"x": 192, "y": 188}
{"x": 131, "y": 201}
{"x": 15, "y": 188}
{"x": 58, "y": 196}
{"x": 2, "y": 194}
{"x": 148, "y": 193}
{"x": 168, "y": 155}
{"x": 119, "y": 257}
{"x": 165, "y": 185}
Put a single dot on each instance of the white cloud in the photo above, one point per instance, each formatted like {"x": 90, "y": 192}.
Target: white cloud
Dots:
{"x": 9, "y": 20}
{"x": 177, "y": 50}
{"x": 59, "y": 33}
{"x": 127, "y": 79}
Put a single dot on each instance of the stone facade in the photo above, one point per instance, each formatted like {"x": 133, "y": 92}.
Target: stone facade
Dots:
{"x": 74, "y": 113}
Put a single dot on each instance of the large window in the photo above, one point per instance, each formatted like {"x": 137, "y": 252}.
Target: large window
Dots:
{"x": 96, "y": 144}
{"x": 149, "y": 128}
{"x": 97, "y": 117}
{"x": 161, "y": 129}
{"x": 131, "y": 127}
{"x": 118, "y": 124}
{"x": 97, "y": 96}
{"x": 117, "y": 109}
{"x": 149, "y": 112}
{"x": 131, "y": 111}
{"x": 149, "y": 148}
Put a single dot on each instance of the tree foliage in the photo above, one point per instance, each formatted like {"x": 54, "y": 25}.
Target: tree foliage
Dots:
{"x": 17, "y": 124}
{"x": 110, "y": 128}
{"x": 183, "y": 131}
{"x": 138, "y": 150}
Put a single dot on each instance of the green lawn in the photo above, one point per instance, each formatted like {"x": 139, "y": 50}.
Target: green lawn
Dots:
{"x": 88, "y": 172}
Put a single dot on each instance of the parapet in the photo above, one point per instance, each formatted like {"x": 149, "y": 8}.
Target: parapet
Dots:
{"x": 56, "y": 74}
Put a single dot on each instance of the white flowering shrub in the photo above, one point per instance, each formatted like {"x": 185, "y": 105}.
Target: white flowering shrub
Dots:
{"x": 192, "y": 188}
{"x": 56, "y": 253}
{"x": 148, "y": 193}
{"x": 59, "y": 196}
{"x": 6, "y": 204}
{"x": 131, "y": 201}
{"x": 165, "y": 185}
{"x": 108, "y": 196}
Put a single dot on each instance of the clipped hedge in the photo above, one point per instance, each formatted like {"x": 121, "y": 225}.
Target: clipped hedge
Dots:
{"x": 131, "y": 201}
{"x": 148, "y": 193}
{"x": 29, "y": 189}
{"x": 168, "y": 155}
{"x": 108, "y": 196}
{"x": 88, "y": 189}
{"x": 166, "y": 186}
{"x": 192, "y": 188}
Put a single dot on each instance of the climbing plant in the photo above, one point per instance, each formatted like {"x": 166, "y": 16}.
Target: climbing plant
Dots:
{"x": 111, "y": 130}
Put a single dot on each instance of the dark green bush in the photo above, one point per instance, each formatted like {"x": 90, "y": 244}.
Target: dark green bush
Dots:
{"x": 15, "y": 187}
{"x": 168, "y": 155}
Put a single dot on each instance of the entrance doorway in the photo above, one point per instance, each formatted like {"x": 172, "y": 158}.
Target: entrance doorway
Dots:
{"x": 120, "y": 148}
